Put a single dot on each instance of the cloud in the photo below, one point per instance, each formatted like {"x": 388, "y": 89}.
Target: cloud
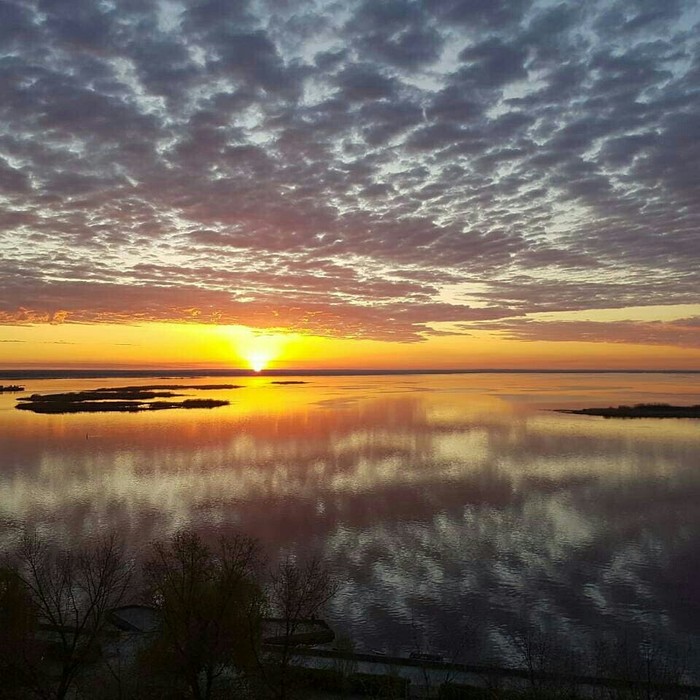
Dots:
{"x": 680, "y": 333}
{"x": 398, "y": 33}
{"x": 492, "y": 64}
{"x": 279, "y": 305}
{"x": 333, "y": 168}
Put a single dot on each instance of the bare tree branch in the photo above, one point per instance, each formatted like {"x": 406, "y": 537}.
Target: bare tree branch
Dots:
{"x": 72, "y": 592}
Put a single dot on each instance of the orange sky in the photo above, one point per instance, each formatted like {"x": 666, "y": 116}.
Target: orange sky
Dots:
{"x": 201, "y": 346}
{"x": 437, "y": 184}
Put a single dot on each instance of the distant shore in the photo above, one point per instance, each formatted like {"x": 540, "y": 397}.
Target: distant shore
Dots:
{"x": 640, "y": 410}
{"x": 174, "y": 373}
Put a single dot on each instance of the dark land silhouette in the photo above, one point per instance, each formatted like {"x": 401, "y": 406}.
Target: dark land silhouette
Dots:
{"x": 128, "y": 399}
{"x": 640, "y": 410}
{"x": 214, "y": 619}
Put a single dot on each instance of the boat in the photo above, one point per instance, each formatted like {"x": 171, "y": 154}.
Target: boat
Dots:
{"x": 11, "y": 387}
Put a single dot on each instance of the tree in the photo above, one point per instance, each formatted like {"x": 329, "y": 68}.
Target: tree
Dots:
{"x": 71, "y": 592}
{"x": 18, "y": 626}
{"x": 298, "y": 593}
{"x": 210, "y": 606}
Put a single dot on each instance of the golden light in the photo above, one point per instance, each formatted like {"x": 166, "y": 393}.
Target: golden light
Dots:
{"x": 258, "y": 360}
{"x": 257, "y": 349}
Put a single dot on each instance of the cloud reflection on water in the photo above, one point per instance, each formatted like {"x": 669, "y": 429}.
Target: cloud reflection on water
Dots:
{"x": 427, "y": 503}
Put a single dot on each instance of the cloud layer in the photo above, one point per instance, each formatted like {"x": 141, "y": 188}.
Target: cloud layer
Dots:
{"x": 335, "y": 167}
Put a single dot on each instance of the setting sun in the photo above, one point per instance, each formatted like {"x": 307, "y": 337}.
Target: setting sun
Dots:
{"x": 258, "y": 360}
{"x": 394, "y": 299}
{"x": 256, "y": 350}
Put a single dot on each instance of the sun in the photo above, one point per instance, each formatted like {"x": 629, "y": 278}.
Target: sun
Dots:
{"x": 258, "y": 360}
{"x": 256, "y": 349}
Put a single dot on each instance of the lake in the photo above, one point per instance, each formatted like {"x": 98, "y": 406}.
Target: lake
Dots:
{"x": 460, "y": 513}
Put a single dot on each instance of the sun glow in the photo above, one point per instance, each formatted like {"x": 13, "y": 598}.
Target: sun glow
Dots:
{"x": 258, "y": 350}
{"x": 258, "y": 360}
{"x": 192, "y": 345}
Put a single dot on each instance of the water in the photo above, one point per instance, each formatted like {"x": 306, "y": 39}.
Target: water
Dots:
{"x": 457, "y": 511}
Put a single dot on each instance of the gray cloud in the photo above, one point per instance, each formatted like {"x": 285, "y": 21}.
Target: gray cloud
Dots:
{"x": 681, "y": 333}
{"x": 333, "y": 167}
{"x": 398, "y": 33}
{"x": 492, "y": 64}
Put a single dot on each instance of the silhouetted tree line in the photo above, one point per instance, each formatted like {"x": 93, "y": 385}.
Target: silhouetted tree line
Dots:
{"x": 57, "y": 638}
{"x": 210, "y": 604}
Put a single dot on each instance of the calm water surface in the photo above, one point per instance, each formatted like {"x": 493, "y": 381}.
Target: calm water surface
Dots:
{"x": 456, "y": 510}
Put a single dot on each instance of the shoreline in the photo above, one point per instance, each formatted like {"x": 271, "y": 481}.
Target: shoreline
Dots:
{"x": 172, "y": 373}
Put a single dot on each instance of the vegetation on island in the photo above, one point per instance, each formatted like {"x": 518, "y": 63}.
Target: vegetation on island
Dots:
{"x": 129, "y": 399}
{"x": 190, "y": 387}
{"x": 640, "y": 410}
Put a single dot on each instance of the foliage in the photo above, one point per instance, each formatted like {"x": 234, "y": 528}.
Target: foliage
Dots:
{"x": 210, "y": 606}
{"x": 297, "y": 592}
{"x": 18, "y": 624}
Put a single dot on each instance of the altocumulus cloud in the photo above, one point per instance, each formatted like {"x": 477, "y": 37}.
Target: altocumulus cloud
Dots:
{"x": 334, "y": 167}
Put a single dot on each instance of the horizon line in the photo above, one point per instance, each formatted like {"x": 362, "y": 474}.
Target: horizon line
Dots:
{"x": 39, "y": 373}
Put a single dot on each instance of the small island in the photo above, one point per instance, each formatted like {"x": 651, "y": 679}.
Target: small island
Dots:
{"x": 288, "y": 381}
{"x": 170, "y": 387}
{"x": 640, "y": 410}
{"x": 8, "y": 388}
{"x": 128, "y": 399}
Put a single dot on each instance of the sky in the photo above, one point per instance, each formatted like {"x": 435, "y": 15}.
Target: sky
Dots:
{"x": 378, "y": 183}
